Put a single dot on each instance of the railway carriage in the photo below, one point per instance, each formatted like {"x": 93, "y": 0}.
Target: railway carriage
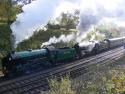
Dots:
{"x": 99, "y": 46}
{"x": 115, "y": 42}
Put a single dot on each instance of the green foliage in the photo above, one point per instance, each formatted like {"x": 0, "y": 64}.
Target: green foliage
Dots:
{"x": 106, "y": 79}
{"x": 109, "y": 30}
{"x": 68, "y": 20}
{"x": 8, "y": 11}
{"x": 109, "y": 83}
{"x": 5, "y": 32}
{"x": 94, "y": 35}
{"x": 65, "y": 20}
{"x": 103, "y": 31}
{"x": 39, "y": 37}
{"x": 5, "y": 44}
{"x": 60, "y": 87}
{"x": 117, "y": 83}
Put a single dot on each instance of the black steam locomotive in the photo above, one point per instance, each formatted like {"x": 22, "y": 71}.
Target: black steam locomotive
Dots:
{"x": 16, "y": 62}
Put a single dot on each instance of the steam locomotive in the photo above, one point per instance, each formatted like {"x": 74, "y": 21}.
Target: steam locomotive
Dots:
{"x": 16, "y": 62}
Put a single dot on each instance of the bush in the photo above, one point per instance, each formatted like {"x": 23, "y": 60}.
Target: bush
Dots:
{"x": 112, "y": 82}
{"x": 60, "y": 87}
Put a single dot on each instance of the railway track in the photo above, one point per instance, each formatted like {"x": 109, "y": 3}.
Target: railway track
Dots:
{"x": 101, "y": 65}
{"x": 33, "y": 84}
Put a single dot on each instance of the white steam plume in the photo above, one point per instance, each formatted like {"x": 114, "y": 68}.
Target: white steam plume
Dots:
{"x": 94, "y": 11}
{"x": 91, "y": 13}
{"x": 62, "y": 38}
{"x": 35, "y": 14}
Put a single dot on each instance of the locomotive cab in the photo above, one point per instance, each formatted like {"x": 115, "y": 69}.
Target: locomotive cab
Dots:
{"x": 56, "y": 55}
{"x": 78, "y": 50}
{"x": 51, "y": 54}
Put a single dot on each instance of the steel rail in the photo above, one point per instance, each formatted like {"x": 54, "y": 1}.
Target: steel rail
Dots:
{"x": 28, "y": 81}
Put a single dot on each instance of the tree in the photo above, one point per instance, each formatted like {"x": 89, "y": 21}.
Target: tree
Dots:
{"x": 8, "y": 11}
{"x": 110, "y": 30}
{"x": 52, "y": 26}
{"x": 68, "y": 20}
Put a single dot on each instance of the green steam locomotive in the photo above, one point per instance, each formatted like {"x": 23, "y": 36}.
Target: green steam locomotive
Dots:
{"x": 16, "y": 62}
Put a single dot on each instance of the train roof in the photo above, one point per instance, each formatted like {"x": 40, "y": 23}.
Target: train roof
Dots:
{"x": 23, "y": 54}
{"x": 114, "y": 39}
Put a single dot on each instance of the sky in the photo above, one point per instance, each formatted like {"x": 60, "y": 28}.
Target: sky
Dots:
{"x": 39, "y": 12}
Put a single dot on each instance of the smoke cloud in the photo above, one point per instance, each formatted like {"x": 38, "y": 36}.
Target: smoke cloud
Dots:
{"x": 94, "y": 11}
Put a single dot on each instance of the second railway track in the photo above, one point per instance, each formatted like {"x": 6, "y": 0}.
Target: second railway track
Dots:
{"x": 33, "y": 84}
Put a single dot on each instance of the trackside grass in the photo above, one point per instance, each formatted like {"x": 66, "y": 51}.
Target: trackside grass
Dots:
{"x": 109, "y": 79}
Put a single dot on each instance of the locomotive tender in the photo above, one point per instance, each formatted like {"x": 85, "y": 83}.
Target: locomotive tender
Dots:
{"x": 16, "y": 62}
